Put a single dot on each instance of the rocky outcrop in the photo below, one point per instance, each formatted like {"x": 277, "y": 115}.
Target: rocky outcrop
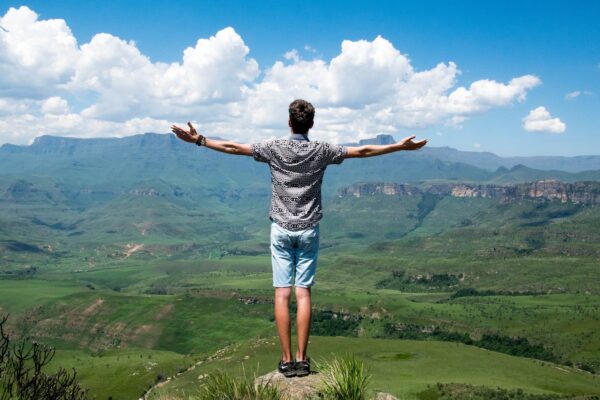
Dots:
{"x": 586, "y": 193}
{"x": 391, "y": 189}
{"x": 294, "y": 388}
{"x": 303, "y": 388}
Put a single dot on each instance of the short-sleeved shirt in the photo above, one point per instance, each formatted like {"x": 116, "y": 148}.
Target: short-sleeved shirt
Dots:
{"x": 297, "y": 167}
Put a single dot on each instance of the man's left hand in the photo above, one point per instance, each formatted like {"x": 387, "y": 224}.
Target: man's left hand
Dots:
{"x": 190, "y": 136}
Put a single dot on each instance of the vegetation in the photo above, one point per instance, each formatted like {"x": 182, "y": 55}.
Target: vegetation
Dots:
{"x": 515, "y": 346}
{"x": 344, "y": 378}
{"x": 418, "y": 283}
{"x": 223, "y": 386}
{"x": 331, "y": 323}
{"x": 465, "y": 292}
{"x": 23, "y": 372}
{"x": 453, "y": 391}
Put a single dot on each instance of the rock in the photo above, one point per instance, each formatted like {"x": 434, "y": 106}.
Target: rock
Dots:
{"x": 293, "y": 388}
{"x": 385, "y": 396}
{"x": 303, "y": 388}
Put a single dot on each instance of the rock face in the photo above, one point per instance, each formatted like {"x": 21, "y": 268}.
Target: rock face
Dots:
{"x": 586, "y": 193}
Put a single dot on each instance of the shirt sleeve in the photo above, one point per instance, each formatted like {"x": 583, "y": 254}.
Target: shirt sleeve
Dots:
{"x": 261, "y": 152}
{"x": 335, "y": 154}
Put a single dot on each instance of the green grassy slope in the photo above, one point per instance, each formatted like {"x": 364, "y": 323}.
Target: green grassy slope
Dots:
{"x": 405, "y": 368}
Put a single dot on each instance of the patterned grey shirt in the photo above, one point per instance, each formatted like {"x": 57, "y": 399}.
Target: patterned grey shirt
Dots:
{"x": 297, "y": 168}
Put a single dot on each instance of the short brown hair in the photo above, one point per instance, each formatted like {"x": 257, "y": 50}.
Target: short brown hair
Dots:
{"x": 302, "y": 115}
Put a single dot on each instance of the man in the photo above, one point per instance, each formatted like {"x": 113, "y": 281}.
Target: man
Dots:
{"x": 297, "y": 166}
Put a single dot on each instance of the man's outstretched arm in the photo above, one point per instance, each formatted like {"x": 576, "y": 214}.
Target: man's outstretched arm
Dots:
{"x": 371, "y": 150}
{"x": 224, "y": 146}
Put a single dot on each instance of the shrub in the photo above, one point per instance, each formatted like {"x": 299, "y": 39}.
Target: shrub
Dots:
{"x": 22, "y": 373}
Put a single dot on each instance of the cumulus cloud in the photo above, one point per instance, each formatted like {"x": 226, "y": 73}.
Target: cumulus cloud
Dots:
{"x": 128, "y": 83}
{"x": 108, "y": 87}
{"x": 35, "y": 55}
{"x": 540, "y": 120}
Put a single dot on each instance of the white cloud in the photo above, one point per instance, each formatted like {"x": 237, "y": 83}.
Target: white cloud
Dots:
{"x": 14, "y": 106}
{"x": 577, "y": 93}
{"x": 540, "y": 120}
{"x": 35, "y": 55}
{"x": 108, "y": 87}
{"x": 456, "y": 121}
{"x": 212, "y": 72}
{"x": 292, "y": 55}
{"x": 54, "y": 105}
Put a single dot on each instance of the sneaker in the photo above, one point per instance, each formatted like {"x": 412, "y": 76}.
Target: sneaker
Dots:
{"x": 288, "y": 369}
{"x": 303, "y": 367}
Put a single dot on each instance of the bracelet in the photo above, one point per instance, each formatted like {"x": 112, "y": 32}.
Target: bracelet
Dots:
{"x": 201, "y": 141}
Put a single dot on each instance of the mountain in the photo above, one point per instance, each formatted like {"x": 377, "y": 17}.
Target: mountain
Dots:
{"x": 490, "y": 161}
{"x": 379, "y": 139}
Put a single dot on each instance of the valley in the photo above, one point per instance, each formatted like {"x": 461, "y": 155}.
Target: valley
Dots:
{"x": 431, "y": 271}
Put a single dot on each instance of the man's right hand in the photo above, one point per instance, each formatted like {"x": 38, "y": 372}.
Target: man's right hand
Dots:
{"x": 408, "y": 144}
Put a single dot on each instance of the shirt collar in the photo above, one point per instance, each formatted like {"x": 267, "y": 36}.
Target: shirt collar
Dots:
{"x": 299, "y": 136}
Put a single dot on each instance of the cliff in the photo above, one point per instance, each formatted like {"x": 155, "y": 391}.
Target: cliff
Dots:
{"x": 587, "y": 193}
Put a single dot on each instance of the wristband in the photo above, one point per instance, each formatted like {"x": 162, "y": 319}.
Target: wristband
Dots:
{"x": 201, "y": 141}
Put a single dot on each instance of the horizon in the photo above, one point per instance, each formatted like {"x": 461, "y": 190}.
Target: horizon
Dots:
{"x": 347, "y": 143}
{"x": 373, "y": 69}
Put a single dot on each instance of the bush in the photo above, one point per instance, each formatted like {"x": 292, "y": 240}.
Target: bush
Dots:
{"x": 22, "y": 376}
{"x": 344, "y": 379}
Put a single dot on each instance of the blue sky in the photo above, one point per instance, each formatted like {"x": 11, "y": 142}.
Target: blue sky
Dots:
{"x": 555, "y": 42}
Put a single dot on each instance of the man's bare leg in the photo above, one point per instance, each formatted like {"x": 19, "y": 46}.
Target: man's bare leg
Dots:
{"x": 303, "y": 321}
{"x": 282, "y": 318}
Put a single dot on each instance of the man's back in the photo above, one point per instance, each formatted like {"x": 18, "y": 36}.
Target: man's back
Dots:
{"x": 297, "y": 168}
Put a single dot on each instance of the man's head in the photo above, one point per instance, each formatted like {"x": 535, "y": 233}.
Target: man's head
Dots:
{"x": 302, "y": 116}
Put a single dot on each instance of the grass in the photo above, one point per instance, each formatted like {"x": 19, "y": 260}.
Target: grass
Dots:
{"x": 122, "y": 374}
{"x": 344, "y": 378}
{"x": 17, "y": 296}
{"x": 221, "y": 385}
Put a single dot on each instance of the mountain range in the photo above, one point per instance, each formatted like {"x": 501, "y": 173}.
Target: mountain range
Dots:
{"x": 120, "y": 163}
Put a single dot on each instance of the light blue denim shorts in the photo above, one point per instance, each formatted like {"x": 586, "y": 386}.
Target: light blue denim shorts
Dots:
{"x": 294, "y": 256}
